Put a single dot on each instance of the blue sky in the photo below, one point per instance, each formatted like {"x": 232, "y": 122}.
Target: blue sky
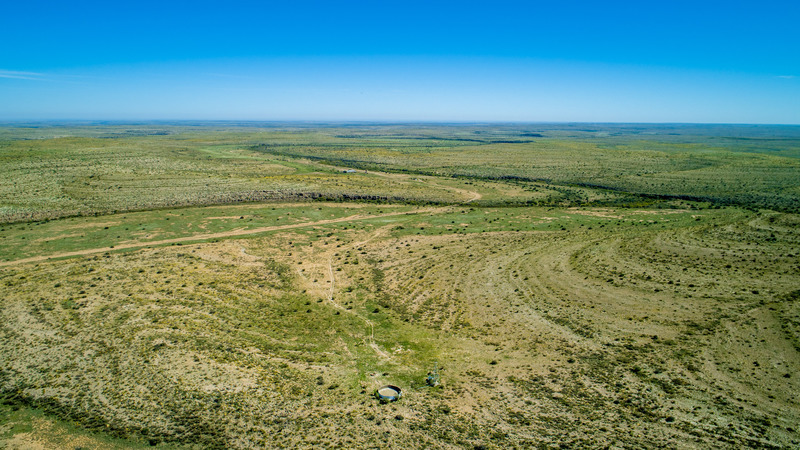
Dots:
{"x": 609, "y": 61}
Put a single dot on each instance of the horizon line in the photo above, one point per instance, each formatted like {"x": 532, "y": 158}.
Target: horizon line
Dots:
{"x": 382, "y": 122}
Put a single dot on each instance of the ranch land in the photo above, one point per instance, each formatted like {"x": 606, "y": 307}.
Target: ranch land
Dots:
{"x": 250, "y": 285}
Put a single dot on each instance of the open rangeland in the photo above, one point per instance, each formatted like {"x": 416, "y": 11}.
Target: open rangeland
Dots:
{"x": 556, "y": 312}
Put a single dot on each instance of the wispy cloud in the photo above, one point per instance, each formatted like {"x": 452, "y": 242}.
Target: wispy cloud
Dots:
{"x": 22, "y": 75}
{"x": 786, "y": 77}
{"x": 49, "y": 77}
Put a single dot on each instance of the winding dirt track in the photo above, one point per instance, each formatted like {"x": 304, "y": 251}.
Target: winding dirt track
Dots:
{"x": 473, "y": 195}
{"x": 408, "y": 179}
{"x": 223, "y": 234}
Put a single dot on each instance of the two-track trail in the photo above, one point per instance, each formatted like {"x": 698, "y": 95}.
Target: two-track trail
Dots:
{"x": 220, "y": 235}
{"x": 332, "y": 290}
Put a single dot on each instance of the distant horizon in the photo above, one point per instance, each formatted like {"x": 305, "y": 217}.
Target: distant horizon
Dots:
{"x": 380, "y": 122}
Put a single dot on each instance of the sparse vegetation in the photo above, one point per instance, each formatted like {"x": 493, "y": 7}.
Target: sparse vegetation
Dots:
{"x": 565, "y": 296}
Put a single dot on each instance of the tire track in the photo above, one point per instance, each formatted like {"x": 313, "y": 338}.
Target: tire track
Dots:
{"x": 223, "y": 234}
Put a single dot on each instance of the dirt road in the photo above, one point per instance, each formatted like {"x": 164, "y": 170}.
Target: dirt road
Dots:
{"x": 206, "y": 236}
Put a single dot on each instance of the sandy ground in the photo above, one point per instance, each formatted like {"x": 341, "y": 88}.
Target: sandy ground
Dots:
{"x": 633, "y": 335}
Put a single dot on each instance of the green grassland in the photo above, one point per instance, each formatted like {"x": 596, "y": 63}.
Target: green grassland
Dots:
{"x": 56, "y": 171}
{"x": 230, "y": 286}
{"x": 696, "y": 171}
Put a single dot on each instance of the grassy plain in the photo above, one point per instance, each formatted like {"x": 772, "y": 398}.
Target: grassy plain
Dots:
{"x": 566, "y": 298}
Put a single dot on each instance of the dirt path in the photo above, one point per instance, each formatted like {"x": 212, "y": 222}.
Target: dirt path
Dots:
{"x": 332, "y": 290}
{"x": 409, "y": 179}
{"x": 223, "y": 234}
{"x": 473, "y": 195}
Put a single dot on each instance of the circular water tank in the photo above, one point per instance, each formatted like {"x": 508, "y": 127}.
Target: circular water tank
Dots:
{"x": 388, "y": 393}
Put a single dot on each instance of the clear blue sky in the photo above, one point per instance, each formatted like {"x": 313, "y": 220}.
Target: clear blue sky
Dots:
{"x": 609, "y": 61}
